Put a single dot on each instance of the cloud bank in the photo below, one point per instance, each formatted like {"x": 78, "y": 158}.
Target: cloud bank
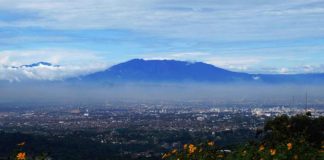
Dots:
{"x": 232, "y": 20}
{"x": 65, "y": 64}
{"x": 220, "y": 95}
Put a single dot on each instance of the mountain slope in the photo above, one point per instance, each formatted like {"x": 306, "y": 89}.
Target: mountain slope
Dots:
{"x": 166, "y": 70}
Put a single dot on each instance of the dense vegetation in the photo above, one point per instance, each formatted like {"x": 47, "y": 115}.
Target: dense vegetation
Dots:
{"x": 84, "y": 145}
{"x": 297, "y": 137}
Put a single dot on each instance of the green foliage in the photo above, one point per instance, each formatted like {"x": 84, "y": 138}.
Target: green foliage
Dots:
{"x": 297, "y": 137}
{"x": 203, "y": 151}
{"x": 280, "y": 151}
{"x": 299, "y": 127}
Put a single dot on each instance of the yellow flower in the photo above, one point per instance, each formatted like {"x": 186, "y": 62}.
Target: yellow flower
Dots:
{"x": 185, "y": 146}
{"x": 244, "y": 153}
{"x": 289, "y": 146}
{"x": 192, "y": 148}
{"x": 211, "y": 143}
{"x": 261, "y": 148}
{"x": 21, "y": 144}
{"x": 273, "y": 152}
{"x": 165, "y": 155}
{"x": 21, "y": 156}
{"x": 174, "y": 151}
{"x": 220, "y": 156}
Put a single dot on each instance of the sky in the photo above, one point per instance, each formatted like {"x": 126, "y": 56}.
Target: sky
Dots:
{"x": 84, "y": 36}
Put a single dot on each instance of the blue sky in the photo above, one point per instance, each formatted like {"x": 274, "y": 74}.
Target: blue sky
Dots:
{"x": 249, "y": 36}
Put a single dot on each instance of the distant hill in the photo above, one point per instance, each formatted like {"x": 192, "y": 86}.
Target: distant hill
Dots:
{"x": 166, "y": 71}
{"x": 139, "y": 70}
{"x": 38, "y": 64}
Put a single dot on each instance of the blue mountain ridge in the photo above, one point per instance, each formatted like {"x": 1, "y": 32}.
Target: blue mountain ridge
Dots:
{"x": 38, "y": 64}
{"x": 139, "y": 70}
{"x": 34, "y": 65}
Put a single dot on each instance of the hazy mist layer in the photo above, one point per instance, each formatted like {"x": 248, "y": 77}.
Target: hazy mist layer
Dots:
{"x": 218, "y": 93}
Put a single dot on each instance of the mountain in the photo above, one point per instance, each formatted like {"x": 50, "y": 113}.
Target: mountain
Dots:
{"x": 37, "y": 65}
{"x": 139, "y": 70}
{"x": 166, "y": 71}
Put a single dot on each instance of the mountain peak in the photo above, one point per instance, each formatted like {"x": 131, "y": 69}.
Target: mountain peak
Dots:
{"x": 167, "y": 71}
{"x": 38, "y": 64}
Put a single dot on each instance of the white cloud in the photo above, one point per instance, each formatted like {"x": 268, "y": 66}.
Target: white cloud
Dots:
{"x": 302, "y": 69}
{"x": 283, "y": 70}
{"x": 297, "y": 11}
{"x": 185, "y": 56}
{"x": 310, "y": 69}
{"x": 212, "y": 20}
{"x": 45, "y": 72}
{"x": 231, "y": 62}
{"x": 72, "y": 63}
{"x": 242, "y": 63}
{"x": 56, "y": 56}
